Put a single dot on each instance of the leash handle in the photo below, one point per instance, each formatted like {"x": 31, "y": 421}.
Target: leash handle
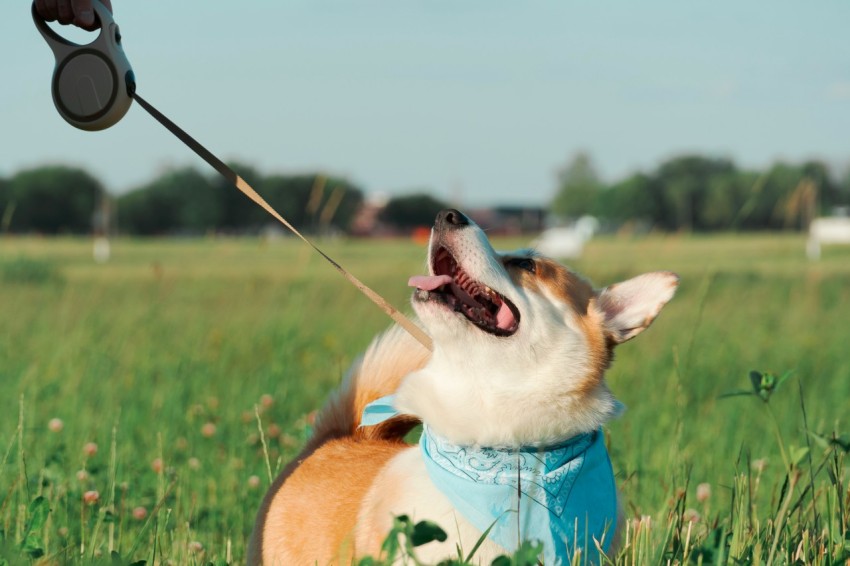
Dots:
{"x": 91, "y": 83}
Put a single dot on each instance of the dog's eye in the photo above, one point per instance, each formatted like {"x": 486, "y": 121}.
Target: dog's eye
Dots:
{"x": 523, "y": 263}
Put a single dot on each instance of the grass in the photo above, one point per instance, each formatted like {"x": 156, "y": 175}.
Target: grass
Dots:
{"x": 164, "y": 357}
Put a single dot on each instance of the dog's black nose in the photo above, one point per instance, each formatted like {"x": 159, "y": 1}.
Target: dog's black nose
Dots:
{"x": 449, "y": 219}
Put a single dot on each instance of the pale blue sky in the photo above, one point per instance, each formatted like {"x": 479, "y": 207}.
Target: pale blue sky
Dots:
{"x": 479, "y": 101}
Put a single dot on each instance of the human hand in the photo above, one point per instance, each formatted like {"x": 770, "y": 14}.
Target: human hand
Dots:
{"x": 77, "y": 12}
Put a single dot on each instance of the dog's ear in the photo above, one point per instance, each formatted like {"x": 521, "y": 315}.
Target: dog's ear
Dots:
{"x": 631, "y": 306}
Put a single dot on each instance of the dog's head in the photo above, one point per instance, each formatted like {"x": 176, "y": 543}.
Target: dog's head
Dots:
{"x": 521, "y": 343}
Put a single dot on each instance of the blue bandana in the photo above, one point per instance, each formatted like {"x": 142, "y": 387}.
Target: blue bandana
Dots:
{"x": 568, "y": 493}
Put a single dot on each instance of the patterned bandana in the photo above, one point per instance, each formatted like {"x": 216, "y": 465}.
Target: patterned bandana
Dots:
{"x": 568, "y": 497}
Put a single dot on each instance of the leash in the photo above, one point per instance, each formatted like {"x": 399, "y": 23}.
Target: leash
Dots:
{"x": 248, "y": 191}
{"x": 93, "y": 87}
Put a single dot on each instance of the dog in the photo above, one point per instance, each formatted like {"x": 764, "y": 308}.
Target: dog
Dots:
{"x": 512, "y": 400}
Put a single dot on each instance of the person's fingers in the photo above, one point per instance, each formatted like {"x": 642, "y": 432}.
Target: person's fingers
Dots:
{"x": 41, "y": 8}
{"x": 65, "y": 12}
{"x": 77, "y": 12}
{"x": 83, "y": 13}
{"x": 47, "y": 9}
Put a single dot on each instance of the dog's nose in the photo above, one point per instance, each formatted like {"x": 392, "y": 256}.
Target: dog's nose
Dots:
{"x": 450, "y": 219}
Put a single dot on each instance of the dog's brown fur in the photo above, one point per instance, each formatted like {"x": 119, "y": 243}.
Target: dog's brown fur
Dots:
{"x": 578, "y": 293}
{"x": 339, "y": 453}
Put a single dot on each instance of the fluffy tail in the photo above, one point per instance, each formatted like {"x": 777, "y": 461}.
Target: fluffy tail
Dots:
{"x": 389, "y": 358}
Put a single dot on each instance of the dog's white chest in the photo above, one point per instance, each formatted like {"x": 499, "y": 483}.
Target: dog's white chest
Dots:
{"x": 404, "y": 488}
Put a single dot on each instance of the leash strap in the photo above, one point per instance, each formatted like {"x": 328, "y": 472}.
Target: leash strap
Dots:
{"x": 243, "y": 186}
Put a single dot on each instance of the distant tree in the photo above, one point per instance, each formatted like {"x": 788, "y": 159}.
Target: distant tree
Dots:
{"x": 238, "y": 212}
{"x": 52, "y": 199}
{"x": 349, "y": 203}
{"x": 635, "y": 198}
{"x": 289, "y": 196}
{"x": 725, "y": 196}
{"x": 411, "y": 211}
{"x": 5, "y": 210}
{"x": 140, "y": 213}
{"x": 180, "y": 200}
{"x": 185, "y": 201}
{"x": 684, "y": 183}
{"x": 843, "y": 195}
{"x": 578, "y": 188}
{"x": 773, "y": 196}
{"x": 700, "y": 193}
{"x": 829, "y": 190}
{"x": 311, "y": 202}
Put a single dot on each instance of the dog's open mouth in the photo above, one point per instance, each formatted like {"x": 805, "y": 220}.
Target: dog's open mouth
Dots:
{"x": 451, "y": 285}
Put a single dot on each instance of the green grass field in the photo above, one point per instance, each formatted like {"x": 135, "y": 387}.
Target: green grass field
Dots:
{"x": 164, "y": 357}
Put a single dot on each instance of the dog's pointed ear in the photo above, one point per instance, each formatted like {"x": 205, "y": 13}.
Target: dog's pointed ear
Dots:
{"x": 631, "y": 306}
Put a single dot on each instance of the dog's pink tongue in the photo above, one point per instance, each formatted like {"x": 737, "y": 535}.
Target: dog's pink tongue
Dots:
{"x": 429, "y": 282}
{"x": 505, "y": 317}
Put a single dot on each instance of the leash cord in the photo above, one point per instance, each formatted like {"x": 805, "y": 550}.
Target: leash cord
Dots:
{"x": 246, "y": 189}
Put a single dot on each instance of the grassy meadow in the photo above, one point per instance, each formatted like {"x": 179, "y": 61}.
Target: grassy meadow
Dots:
{"x": 130, "y": 392}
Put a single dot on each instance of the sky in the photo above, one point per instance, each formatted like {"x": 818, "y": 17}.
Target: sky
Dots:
{"x": 478, "y": 102}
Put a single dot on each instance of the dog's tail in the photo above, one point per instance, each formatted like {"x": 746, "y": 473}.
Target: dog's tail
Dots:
{"x": 389, "y": 358}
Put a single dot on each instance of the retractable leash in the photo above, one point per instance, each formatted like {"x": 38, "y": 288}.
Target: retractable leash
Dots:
{"x": 93, "y": 87}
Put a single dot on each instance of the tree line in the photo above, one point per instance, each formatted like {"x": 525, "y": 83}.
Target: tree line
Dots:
{"x": 690, "y": 193}
{"x": 187, "y": 201}
{"x": 59, "y": 199}
{"x": 698, "y": 193}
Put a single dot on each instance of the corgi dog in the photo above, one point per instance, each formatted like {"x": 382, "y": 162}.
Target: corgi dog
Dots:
{"x": 512, "y": 400}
